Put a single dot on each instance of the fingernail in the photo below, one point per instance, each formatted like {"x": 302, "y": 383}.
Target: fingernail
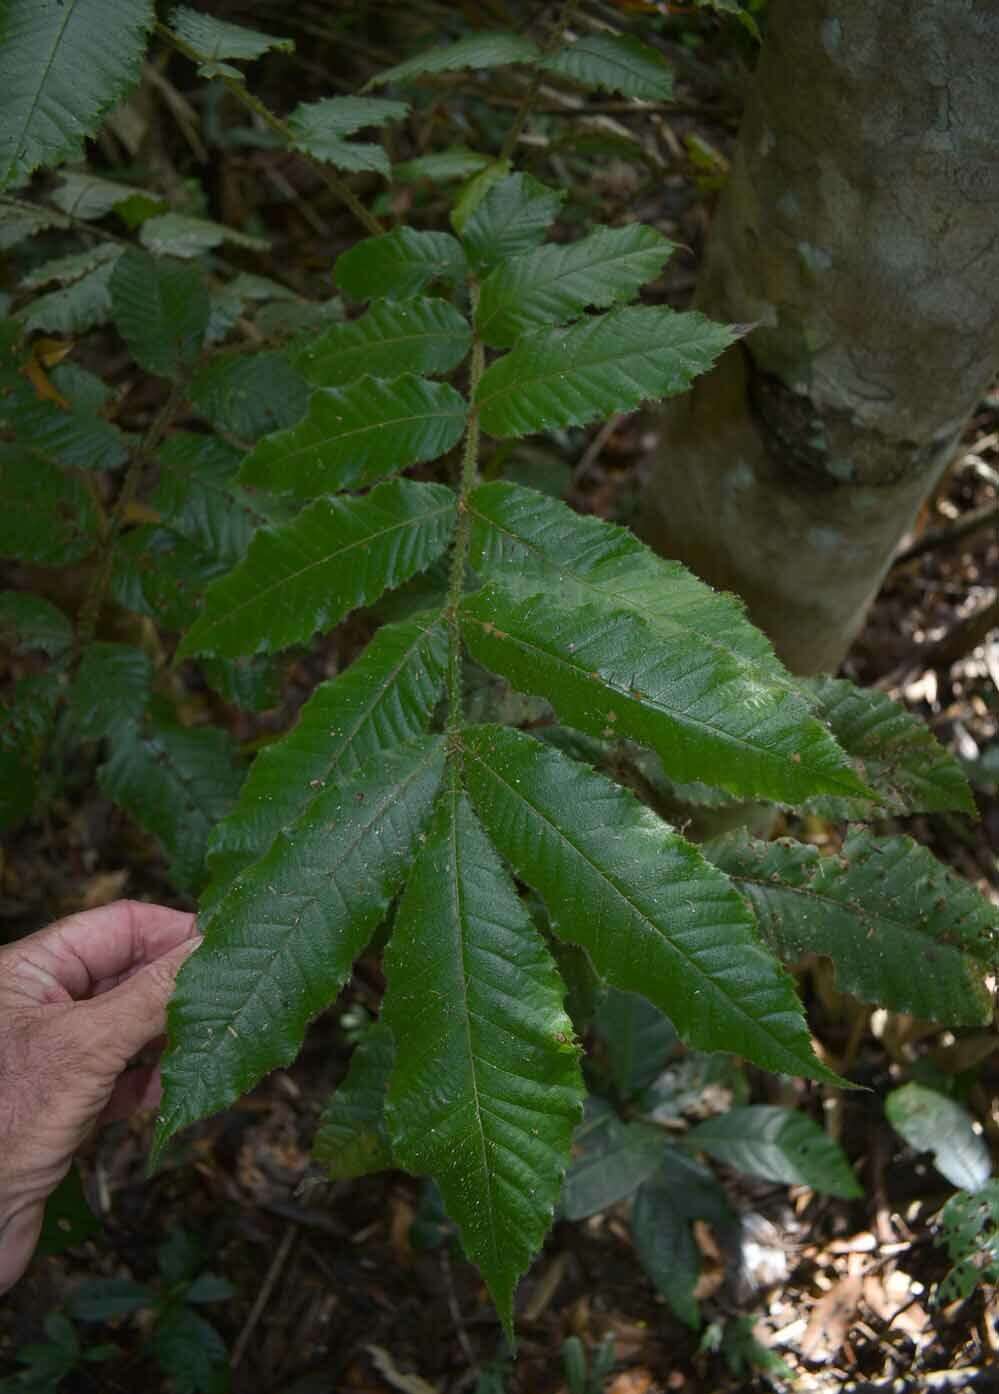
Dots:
{"x": 193, "y": 944}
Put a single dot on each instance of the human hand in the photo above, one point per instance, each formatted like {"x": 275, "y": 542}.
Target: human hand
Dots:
{"x": 77, "y": 1001}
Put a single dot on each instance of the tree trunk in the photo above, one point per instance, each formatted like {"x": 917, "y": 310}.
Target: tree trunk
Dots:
{"x": 859, "y": 233}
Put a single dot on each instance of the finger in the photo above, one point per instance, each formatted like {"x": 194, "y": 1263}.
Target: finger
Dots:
{"x": 121, "y": 1021}
{"x": 94, "y": 950}
{"x": 18, "y": 1238}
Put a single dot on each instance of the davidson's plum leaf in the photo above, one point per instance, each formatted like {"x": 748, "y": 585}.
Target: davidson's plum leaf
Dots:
{"x": 601, "y": 365}
{"x": 399, "y": 263}
{"x": 352, "y": 1138}
{"x": 385, "y": 698}
{"x": 557, "y": 282}
{"x": 487, "y": 1085}
{"x": 513, "y": 217}
{"x": 893, "y": 751}
{"x": 280, "y": 944}
{"x": 177, "y": 782}
{"x": 394, "y": 337}
{"x": 357, "y": 434}
{"x": 482, "y": 50}
{"x": 161, "y": 310}
{"x": 62, "y": 67}
{"x": 902, "y": 930}
{"x": 654, "y": 916}
{"x": 615, "y": 62}
{"x": 611, "y": 674}
{"x": 336, "y": 555}
{"x": 778, "y": 1144}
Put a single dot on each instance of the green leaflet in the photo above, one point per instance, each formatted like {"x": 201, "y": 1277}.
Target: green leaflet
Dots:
{"x": 932, "y": 1122}
{"x": 892, "y": 751}
{"x": 334, "y": 556}
{"x": 610, "y": 674}
{"x": 160, "y": 310}
{"x": 513, "y": 217}
{"x": 215, "y": 38}
{"x": 637, "y": 1040}
{"x": 778, "y": 1144}
{"x": 681, "y": 1191}
{"x": 610, "y": 1160}
{"x": 385, "y": 698}
{"x": 557, "y": 282}
{"x": 319, "y": 129}
{"x": 30, "y": 621}
{"x": 903, "y": 930}
{"x": 250, "y": 394}
{"x": 75, "y": 438}
{"x": 62, "y": 66}
{"x": 65, "y": 270}
{"x": 181, "y": 235}
{"x": 604, "y": 364}
{"x": 535, "y": 544}
{"x": 74, "y": 308}
{"x": 199, "y": 498}
{"x": 440, "y": 166}
{"x": 352, "y": 1137}
{"x": 654, "y": 916}
{"x": 395, "y": 336}
{"x": 357, "y": 434}
{"x": 46, "y": 516}
{"x": 615, "y": 62}
{"x": 111, "y": 688}
{"x": 487, "y": 1086}
{"x": 177, "y": 782}
{"x": 481, "y": 50}
{"x": 279, "y": 946}
{"x": 399, "y": 264}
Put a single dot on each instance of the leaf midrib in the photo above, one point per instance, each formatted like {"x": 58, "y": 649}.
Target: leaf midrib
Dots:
{"x": 648, "y": 924}
{"x": 259, "y": 596}
{"x": 739, "y": 743}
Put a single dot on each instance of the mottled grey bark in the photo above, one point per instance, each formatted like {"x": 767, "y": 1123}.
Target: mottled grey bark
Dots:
{"x": 860, "y": 232}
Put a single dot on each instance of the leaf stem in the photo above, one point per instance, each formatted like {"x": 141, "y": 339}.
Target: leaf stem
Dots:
{"x": 462, "y": 539}
{"x": 530, "y": 96}
{"x": 253, "y": 103}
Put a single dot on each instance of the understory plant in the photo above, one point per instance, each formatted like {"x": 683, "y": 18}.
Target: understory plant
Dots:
{"x": 360, "y": 465}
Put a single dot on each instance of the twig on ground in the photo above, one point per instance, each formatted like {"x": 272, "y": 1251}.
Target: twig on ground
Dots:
{"x": 263, "y": 1296}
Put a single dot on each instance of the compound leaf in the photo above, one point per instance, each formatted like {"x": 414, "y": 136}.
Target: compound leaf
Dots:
{"x": 610, "y": 674}
{"x": 653, "y": 915}
{"x": 484, "y": 50}
{"x": 385, "y": 698}
{"x": 902, "y": 930}
{"x": 334, "y": 556}
{"x": 778, "y": 1144}
{"x": 601, "y": 365}
{"x": 280, "y": 944}
{"x": 512, "y": 218}
{"x": 931, "y": 1122}
{"x": 63, "y": 64}
{"x": 399, "y": 263}
{"x": 352, "y": 1137}
{"x": 161, "y": 311}
{"x": 893, "y": 751}
{"x": 177, "y": 782}
{"x": 615, "y": 62}
{"x": 487, "y": 1086}
{"x": 357, "y": 434}
{"x": 394, "y": 337}
{"x": 557, "y": 282}
{"x": 111, "y": 688}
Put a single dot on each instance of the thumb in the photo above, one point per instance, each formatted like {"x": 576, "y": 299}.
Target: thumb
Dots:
{"x": 132, "y": 1014}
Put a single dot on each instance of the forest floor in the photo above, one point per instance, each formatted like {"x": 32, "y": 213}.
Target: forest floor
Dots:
{"x": 354, "y": 1286}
